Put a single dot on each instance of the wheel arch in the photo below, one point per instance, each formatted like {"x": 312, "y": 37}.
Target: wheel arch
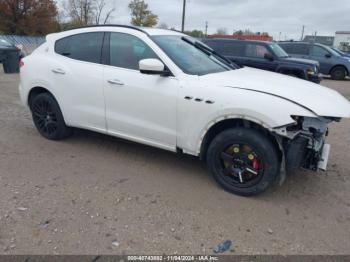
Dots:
{"x": 288, "y": 70}
{"x": 225, "y": 124}
{"x": 339, "y": 65}
{"x": 34, "y": 91}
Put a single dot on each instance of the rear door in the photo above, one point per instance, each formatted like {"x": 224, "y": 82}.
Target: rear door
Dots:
{"x": 77, "y": 74}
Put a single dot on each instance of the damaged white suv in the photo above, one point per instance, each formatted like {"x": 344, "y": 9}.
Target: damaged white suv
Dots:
{"x": 163, "y": 89}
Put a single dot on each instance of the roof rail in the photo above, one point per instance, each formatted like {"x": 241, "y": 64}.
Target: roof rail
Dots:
{"x": 113, "y": 25}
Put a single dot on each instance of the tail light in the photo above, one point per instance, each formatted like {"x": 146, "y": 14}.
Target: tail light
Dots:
{"x": 21, "y": 63}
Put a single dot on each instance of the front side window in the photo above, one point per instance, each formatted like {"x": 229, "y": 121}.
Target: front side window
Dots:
{"x": 84, "y": 47}
{"x": 318, "y": 51}
{"x": 190, "y": 59}
{"x": 126, "y": 51}
{"x": 256, "y": 51}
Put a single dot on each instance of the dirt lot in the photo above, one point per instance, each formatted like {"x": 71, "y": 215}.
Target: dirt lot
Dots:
{"x": 83, "y": 194}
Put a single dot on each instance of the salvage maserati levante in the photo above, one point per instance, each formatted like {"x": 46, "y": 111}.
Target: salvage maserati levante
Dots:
{"x": 164, "y": 89}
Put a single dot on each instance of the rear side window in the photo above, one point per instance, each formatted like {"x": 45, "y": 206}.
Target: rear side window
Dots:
{"x": 297, "y": 49}
{"x": 84, "y": 47}
{"x": 233, "y": 48}
{"x": 214, "y": 45}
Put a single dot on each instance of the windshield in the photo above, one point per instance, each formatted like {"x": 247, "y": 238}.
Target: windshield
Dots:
{"x": 191, "y": 59}
{"x": 279, "y": 52}
{"x": 338, "y": 51}
{"x": 331, "y": 50}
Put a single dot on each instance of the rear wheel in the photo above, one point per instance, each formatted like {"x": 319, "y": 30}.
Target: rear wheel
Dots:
{"x": 243, "y": 161}
{"x": 338, "y": 73}
{"x": 48, "y": 118}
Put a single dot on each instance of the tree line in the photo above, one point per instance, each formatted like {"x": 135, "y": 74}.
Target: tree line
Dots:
{"x": 41, "y": 17}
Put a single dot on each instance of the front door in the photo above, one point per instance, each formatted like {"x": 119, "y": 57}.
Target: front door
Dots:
{"x": 255, "y": 57}
{"x": 323, "y": 56}
{"x": 139, "y": 107}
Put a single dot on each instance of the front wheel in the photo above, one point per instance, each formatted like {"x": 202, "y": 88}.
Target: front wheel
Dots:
{"x": 243, "y": 161}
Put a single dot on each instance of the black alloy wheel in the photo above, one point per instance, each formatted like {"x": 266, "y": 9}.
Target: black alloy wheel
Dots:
{"x": 243, "y": 161}
{"x": 48, "y": 118}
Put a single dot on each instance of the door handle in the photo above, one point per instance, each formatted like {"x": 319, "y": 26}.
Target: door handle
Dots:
{"x": 115, "y": 82}
{"x": 58, "y": 71}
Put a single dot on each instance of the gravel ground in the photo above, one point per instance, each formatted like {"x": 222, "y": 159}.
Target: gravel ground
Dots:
{"x": 97, "y": 194}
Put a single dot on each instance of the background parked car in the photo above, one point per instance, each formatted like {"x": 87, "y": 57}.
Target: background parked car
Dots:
{"x": 10, "y": 55}
{"x": 331, "y": 63}
{"x": 265, "y": 55}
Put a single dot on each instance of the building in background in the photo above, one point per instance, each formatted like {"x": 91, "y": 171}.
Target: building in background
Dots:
{"x": 324, "y": 40}
{"x": 342, "y": 40}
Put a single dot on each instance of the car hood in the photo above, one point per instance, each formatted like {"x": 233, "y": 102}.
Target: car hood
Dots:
{"x": 301, "y": 61}
{"x": 320, "y": 100}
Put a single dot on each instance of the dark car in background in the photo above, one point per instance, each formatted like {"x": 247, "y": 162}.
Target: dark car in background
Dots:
{"x": 265, "y": 55}
{"x": 10, "y": 55}
{"x": 5, "y": 46}
{"x": 331, "y": 62}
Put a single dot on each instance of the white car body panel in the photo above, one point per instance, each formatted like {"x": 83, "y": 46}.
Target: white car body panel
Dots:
{"x": 141, "y": 106}
{"x": 152, "y": 109}
{"x": 320, "y": 100}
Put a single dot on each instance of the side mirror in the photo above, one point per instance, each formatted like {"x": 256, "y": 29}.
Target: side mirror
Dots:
{"x": 328, "y": 55}
{"x": 152, "y": 67}
{"x": 269, "y": 57}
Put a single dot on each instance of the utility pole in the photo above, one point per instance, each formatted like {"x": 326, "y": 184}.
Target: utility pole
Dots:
{"x": 183, "y": 16}
{"x": 302, "y": 33}
{"x": 206, "y": 28}
{"x": 315, "y": 37}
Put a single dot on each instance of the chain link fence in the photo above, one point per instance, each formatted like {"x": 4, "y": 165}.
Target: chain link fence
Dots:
{"x": 26, "y": 43}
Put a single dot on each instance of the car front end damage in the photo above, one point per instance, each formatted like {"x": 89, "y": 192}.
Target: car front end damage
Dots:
{"x": 304, "y": 144}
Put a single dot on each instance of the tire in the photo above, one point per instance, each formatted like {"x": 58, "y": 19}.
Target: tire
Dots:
{"x": 338, "y": 73}
{"x": 48, "y": 118}
{"x": 248, "y": 143}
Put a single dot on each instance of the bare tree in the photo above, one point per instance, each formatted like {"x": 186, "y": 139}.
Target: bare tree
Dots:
{"x": 80, "y": 11}
{"x": 100, "y": 6}
{"x": 86, "y": 12}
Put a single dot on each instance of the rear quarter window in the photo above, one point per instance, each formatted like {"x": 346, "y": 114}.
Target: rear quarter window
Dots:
{"x": 83, "y": 47}
{"x": 297, "y": 49}
{"x": 233, "y": 48}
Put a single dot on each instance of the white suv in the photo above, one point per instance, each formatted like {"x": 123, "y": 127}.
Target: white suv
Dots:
{"x": 164, "y": 89}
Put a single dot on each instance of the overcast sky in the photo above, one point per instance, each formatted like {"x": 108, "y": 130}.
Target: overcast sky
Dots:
{"x": 273, "y": 16}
